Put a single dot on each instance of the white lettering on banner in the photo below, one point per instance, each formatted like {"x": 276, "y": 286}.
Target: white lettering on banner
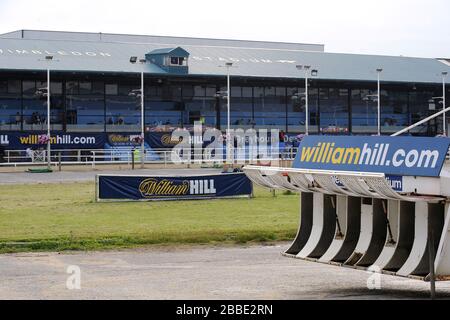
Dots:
{"x": 4, "y": 140}
{"x": 202, "y": 187}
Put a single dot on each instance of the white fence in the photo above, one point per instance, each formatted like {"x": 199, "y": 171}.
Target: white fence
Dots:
{"x": 125, "y": 156}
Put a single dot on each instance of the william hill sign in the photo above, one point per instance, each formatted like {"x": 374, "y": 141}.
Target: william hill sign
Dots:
{"x": 166, "y": 188}
{"x": 172, "y": 188}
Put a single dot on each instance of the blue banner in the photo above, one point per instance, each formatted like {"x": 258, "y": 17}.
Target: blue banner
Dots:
{"x": 173, "y": 188}
{"x": 161, "y": 140}
{"x": 400, "y": 156}
{"x": 59, "y": 140}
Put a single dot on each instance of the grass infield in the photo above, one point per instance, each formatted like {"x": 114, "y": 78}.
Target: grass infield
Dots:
{"x": 58, "y": 217}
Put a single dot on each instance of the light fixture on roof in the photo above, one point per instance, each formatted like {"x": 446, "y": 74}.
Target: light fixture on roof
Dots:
{"x": 133, "y": 59}
{"x": 48, "y": 58}
{"x": 229, "y": 64}
{"x": 314, "y": 73}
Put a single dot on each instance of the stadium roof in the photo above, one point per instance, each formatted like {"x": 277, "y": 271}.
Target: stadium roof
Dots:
{"x": 94, "y": 52}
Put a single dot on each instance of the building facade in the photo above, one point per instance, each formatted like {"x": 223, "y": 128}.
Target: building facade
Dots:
{"x": 92, "y": 76}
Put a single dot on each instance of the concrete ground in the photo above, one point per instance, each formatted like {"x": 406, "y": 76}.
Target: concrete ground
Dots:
{"x": 82, "y": 176}
{"x": 256, "y": 272}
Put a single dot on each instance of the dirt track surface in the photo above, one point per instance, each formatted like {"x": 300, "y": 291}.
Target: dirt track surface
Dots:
{"x": 256, "y": 272}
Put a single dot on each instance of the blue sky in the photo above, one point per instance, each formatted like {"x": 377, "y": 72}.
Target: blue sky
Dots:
{"x": 387, "y": 27}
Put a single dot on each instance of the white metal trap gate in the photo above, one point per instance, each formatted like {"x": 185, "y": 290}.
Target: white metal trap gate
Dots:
{"x": 358, "y": 220}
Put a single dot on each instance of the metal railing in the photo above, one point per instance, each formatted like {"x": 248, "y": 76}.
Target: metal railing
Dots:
{"x": 95, "y": 157}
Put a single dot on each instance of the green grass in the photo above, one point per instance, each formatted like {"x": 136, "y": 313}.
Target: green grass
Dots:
{"x": 57, "y": 217}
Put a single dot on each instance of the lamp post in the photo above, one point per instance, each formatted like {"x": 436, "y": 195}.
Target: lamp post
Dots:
{"x": 378, "y": 97}
{"x": 48, "y": 121}
{"x": 49, "y": 164}
{"x": 314, "y": 72}
{"x": 444, "y": 126}
{"x": 140, "y": 94}
{"x": 443, "y": 98}
{"x": 227, "y": 95}
{"x": 228, "y": 65}
{"x": 142, "y": 123}
{"x": 379, "y": 70}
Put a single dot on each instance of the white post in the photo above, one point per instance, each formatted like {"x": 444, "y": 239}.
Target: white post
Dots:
{"x": 228, "y": 116}
{"x": 48, "y": 121}
{"x": 444, "y": 125}
{"x": 142, "y": 122}
{"x": 379, "y": 102}
{"x": 306, "y": 103}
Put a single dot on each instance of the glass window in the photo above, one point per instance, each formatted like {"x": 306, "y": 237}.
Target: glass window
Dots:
{"x": 247, "y": 92}
{"x": 34, "y": 112}
{"x": 296, "y": 104}
{"x": 98, "y": 87}
{"x": 188, "y": 92}
{"x": 85, "y": 112}
{"x": 56, "y": 88}
{"x": 202, "y": 110}
{"x": 85, "y": 87}
{"x": 126, "y": 88}
{"x": 29, "y": 87}
{"x": 14, "y": 86}
{"x": 177, "y": 61}
{"x": 175, "y": 91}
{"x": 241, "y": 109}
{"x": 236, "y": 92}
{"x": 364, "y": 111}
{"x": 199, "y": 91}
{"x": 421, "y": 105}
{"x": 3, "y": 86}
{"x": 72, "y": 87}
{"x": 112, "y": 89}
{"x": 280, "y": 92}
{"x": 10, "y": 112}
{"x": 333, "y": 110}
{"x": 164, "y": 115}
{"x": 394, "y": 111}
{"x": 123, "y": 113}
{"x": 153, "y": 92}
{"x": 269, "y": 109}
{"x": 210, "y": 91}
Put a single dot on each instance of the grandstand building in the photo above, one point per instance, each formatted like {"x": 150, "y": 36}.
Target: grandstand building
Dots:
{"x": 92, "y": 76}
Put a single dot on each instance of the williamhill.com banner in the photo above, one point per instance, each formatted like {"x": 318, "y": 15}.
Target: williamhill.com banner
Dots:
{"x": 173, "y": 188}
{"x": 60, "y": 140}
{"x": 402, "y": 156}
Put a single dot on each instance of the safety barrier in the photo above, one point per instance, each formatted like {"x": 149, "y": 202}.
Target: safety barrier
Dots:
{"x": 396, "y": 221}
{"x": 113, "y": 156}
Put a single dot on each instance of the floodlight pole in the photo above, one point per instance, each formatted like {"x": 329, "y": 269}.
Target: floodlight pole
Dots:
{"x": 307, "y": 70}
{"x": 48, "y": 121}
{"x": 228, "y": 66}
{"x": 444, "y": 125}
{"x": 306, "y": 100}
{"x": 142, "y": 122}
{"x": 379, "y": 100}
